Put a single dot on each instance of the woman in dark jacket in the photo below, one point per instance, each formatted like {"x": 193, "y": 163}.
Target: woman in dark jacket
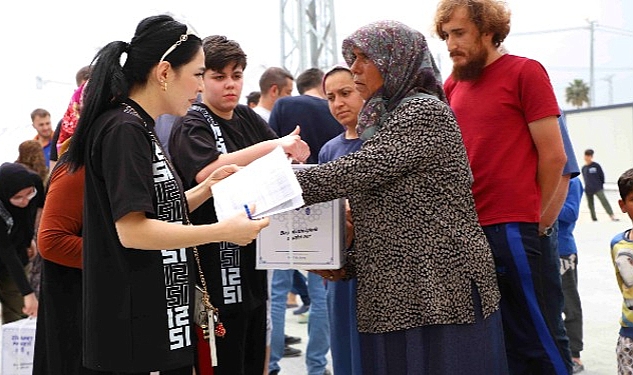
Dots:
{"x": 18, "y": 209}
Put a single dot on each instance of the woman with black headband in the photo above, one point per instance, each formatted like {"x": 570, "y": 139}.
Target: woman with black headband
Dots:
{"x": 136, "y": 301}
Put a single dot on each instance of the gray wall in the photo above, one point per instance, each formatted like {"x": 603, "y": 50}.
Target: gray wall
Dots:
{"x": 609, "y": 132}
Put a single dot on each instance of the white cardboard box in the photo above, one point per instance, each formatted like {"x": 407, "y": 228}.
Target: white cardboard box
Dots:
{"x": 308, "y": 238}
{"x": 18, "y": 342}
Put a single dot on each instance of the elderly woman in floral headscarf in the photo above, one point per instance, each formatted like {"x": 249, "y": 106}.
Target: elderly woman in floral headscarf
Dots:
{"x": 427, "y": 298}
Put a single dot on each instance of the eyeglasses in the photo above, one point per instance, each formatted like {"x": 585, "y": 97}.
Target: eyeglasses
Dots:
{"x": 16, "y": 199}
{"x": 171, "y": 49}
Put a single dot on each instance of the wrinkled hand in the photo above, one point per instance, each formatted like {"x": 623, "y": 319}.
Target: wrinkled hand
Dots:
{"x": 294, "y": 147}
{"x": 243, "y": 230}
{"x": 330, "y": 275}
{"x": 349, "y": 226}
{"x": 30, "y": 305}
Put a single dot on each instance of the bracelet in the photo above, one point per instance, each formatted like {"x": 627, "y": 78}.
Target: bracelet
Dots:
{"x": 547, "y": 231}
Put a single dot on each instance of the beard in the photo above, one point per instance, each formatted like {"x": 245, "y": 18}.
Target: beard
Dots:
{"x": 474, "y": 67}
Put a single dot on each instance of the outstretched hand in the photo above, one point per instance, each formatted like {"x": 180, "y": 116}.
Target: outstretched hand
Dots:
{"x": 294, "y": 147}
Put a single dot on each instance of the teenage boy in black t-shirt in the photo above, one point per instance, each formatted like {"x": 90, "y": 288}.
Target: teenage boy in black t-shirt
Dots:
{"x": 216, "y": 132}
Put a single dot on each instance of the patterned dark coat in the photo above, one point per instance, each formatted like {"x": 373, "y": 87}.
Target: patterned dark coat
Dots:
{"x": 419, "y": 249}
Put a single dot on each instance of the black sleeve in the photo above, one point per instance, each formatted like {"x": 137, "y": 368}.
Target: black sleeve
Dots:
{"x": 40, "y": 198}
{"x": 53, "y": 155}
{"x": 600, "y": 174}
{"x": 9, "y": 258}
{"x": 192, "y": 147}
{"x": 126, "y": 156}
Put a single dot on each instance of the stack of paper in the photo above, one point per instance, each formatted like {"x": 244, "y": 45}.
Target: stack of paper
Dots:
{"x": 269, "y": 183}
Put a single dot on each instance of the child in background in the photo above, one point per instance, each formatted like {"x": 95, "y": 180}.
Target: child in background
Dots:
{"x": 568, "y": 253}
{"x": 622, "y": 256}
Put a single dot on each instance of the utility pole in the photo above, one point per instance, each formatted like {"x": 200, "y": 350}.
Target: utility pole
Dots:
{"x": 592, "y": 84}
{"x": 308, "y": 35}
{"x": 609, "y": 80}
{"x": 592, "y": 27}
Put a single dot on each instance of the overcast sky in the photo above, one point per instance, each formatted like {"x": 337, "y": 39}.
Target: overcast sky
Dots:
{"x": 52, "y": 39}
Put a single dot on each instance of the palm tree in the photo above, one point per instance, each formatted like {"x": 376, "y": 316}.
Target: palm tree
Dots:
{"x": 577, "y": 93}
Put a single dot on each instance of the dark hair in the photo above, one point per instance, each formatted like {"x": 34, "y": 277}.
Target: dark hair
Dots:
{"x": 83, "y": 74}
{"x": 309, "y": 79}
{"x": 274, "y": 76}
{"x": 110, "y": 82}
{"x": 588, "y": 152}
{"x": 39, "y": 112}
{"x": 625, "y": 183}
{"x": 219, "y": 52}
{"x": 253, "y": 97}
{"x": 490, "y": 16}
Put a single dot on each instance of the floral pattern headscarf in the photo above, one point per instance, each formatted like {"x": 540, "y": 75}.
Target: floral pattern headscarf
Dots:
{"x": 71, "y": 116}
{"x": 402, "y": 57}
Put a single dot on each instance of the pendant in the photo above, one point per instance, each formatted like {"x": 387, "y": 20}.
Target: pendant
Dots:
{"x": 218, "y": 329}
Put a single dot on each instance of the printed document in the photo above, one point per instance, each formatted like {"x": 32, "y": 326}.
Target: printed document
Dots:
{"x": 268, "y": 182}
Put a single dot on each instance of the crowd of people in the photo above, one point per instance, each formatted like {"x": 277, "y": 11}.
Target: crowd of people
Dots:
{"x": 108, "y": 222}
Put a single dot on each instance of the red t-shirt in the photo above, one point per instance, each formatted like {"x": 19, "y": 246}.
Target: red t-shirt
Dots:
{"x": 493, "y": 113}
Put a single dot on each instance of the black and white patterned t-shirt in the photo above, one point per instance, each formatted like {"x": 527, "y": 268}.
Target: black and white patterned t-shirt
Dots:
{"x": 136, "y": 302}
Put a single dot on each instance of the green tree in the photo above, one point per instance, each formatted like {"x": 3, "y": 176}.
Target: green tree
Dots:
{"x": 577, "y": 93}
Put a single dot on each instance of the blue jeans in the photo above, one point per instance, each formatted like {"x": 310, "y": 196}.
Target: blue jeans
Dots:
{"x": 345, "y": 343}
{"x": 300, "y": 287}
{"x": 318, "y": 323}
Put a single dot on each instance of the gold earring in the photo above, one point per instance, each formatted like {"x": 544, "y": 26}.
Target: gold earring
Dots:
{"x": 164, "y": 85}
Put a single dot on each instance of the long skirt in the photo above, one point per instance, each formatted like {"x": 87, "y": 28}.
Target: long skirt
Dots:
{"x": 438, "y": 349}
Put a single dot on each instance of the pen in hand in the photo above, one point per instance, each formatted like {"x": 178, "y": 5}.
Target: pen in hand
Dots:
{"x": 248, "y": 212}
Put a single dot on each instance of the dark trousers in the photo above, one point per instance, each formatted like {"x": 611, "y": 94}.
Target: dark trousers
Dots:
{"x": 573, "y": 307}
{"x": 522, "y": 266}
{"x": 554, "y": 300}
{"x": 603, "y": 199}
{"x": 242, "y": 351}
